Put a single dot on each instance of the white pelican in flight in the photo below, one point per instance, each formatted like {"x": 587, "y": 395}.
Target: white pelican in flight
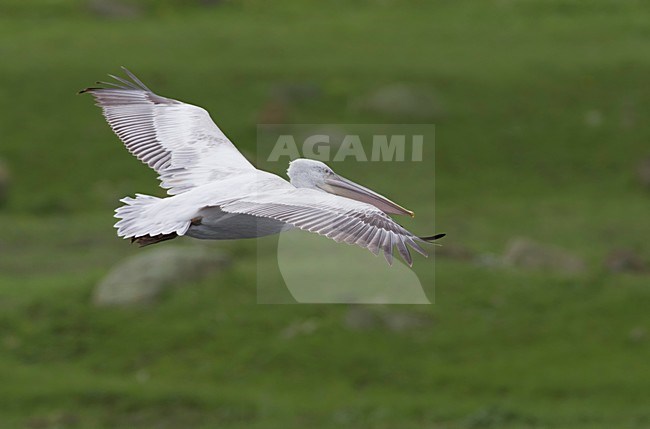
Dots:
{"x": 215, "y": 193}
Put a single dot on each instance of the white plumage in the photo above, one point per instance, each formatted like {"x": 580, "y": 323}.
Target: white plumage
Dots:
{"x": 216, "y": 193}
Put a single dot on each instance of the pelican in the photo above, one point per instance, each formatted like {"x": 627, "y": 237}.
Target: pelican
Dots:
{"x": 215, "y": 193}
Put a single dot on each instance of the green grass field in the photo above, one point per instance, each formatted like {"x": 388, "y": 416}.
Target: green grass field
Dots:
{"x": 516, "y": 155}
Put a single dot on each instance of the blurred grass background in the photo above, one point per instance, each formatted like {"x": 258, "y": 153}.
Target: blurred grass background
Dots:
{"x": 545, "y": 105}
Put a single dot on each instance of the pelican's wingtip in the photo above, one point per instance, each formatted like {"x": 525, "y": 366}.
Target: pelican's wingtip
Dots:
{"x": 433, "y": 237}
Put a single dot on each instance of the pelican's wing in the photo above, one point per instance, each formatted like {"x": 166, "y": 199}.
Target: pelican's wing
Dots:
{"x": 178, "y": 140}
{"x": 338, "y": 218}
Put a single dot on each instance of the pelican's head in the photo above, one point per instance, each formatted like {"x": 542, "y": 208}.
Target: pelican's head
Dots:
{"x": 312, "y": 174}
{"x": 308, "y": 173}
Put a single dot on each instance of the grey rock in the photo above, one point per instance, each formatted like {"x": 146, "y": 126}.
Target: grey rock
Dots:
{"x": 455, "y": 251}
{"x": 488, "y": 260}
{"x": 400, "y": 100}
{"x": 637, "y": 334}
{"x": 293, "y": 92}
{"x": 365, "y": 318}
{"x": 301, "y": 327}
{"x": 113, "y": 9}
{"x": 528, "y": 254}
{"x": 625, "y": 260}
{"x": 593, "y": 118}
{"x": 497, "y": 417}
{"x": 141, "y": 279}
{"x": 643, "y": 172}
{"x": 360, "y": 318}
{"x": 401, "y": 321}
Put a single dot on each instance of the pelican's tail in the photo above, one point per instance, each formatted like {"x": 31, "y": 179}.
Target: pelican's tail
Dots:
{"x": 143, "y": 220}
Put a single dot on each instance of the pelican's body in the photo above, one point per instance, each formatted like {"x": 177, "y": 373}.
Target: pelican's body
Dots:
{"x": 216, "y": 224}
{"x": 215, "y": 193}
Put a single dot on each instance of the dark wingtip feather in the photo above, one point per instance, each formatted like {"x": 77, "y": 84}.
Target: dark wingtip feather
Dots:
{"x": 433, "y": 237}
{"x": 120, "y": 83}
